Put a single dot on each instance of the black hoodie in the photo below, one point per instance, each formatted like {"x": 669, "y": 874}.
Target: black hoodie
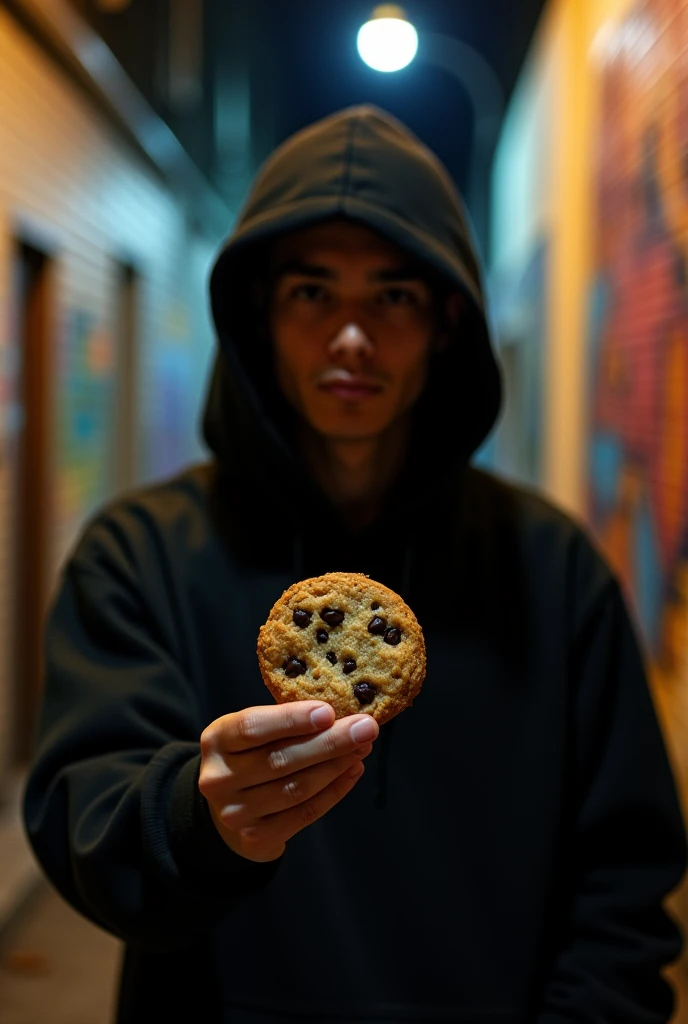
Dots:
{"x": 506, "y": 854}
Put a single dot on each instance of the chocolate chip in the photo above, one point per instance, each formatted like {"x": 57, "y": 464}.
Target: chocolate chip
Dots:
{"x": 293, "y": 667}
{"x": 349, "y": 666}
{"x": 364, "y": 692}
{"x": 332, "y": 616}
{"x": 377, "y": 626}
{"x": 322, "y": 636}
{"x": 331, "y": 657}
{"x": 392, "y": 636}
{"x": 374, "y": 606}
{"x": 301, "y": 618}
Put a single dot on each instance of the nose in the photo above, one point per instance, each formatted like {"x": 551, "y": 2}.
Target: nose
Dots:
{"x": 351, "y": 342}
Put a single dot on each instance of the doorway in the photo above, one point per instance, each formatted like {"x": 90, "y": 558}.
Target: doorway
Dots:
{"x": 32, "y": 518}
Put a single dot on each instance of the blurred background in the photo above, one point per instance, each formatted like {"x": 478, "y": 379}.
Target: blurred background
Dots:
{"x": 129, "y": 133}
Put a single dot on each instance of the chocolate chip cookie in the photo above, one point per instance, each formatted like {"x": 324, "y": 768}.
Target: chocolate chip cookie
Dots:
{"x": 344, "y": 639}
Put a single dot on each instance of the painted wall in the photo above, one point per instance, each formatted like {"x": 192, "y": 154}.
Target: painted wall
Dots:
{"x": 608, "y": 222}
{"x": 70, "y": 184}
{"x": 637, "y": 487}
{"x": 613, "y": 356}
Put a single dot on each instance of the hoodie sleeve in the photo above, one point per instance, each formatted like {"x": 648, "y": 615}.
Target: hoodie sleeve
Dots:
{"x": 112, "y": 807}
{"x": 627, "y": 842}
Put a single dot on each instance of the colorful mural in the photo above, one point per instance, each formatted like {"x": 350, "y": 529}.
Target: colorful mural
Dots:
{"x": 638, "y": 496}
{"x": 171, "y": 428}
{"x": 85, "y": 408}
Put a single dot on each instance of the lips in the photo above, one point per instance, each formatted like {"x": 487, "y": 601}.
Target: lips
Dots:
{"x": 349, "y": 388}
{"x": 352, "y": 392}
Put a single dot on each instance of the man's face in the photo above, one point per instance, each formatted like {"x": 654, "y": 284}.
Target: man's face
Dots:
{"x": 352, "y": 325}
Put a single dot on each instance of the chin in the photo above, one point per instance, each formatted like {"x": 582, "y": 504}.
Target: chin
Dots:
{"x": 350, "y": 423}
{"x": 354, "y": 422}
{"x": 342, "y": 438}
{"x": 341, "y": 429}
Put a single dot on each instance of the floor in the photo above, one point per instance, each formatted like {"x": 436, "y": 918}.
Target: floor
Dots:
{"x": 57, "y": 968}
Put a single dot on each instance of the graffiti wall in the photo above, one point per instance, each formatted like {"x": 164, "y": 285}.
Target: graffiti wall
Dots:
{"x": 85, "y": 438}
{"x": 638, "y": 338}
{"x": 613, "y": 278}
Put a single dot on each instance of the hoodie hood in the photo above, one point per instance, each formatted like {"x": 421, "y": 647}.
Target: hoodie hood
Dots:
{"x": 364, "y": 165}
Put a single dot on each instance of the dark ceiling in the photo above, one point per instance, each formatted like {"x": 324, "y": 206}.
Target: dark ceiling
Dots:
{"x": 320, "y": 70}
{"x": 299, "y": 58}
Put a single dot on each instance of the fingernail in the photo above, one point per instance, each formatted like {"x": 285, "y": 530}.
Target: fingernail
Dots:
{"x": 365, "y": 729}
{"x": 321, "y": 717}
{"x": 357, "y": 770}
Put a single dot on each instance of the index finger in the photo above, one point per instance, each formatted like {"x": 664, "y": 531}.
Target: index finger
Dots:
{"x": 256, "y": 726}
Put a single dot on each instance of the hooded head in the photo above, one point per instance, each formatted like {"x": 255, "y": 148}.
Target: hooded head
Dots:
{"x": 365, "y": 166}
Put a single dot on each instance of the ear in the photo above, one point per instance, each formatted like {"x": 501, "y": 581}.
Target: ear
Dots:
{"x": 454, "y": 306}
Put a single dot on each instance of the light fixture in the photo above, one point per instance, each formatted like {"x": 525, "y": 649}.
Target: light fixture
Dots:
{"x": 388, "y": 42}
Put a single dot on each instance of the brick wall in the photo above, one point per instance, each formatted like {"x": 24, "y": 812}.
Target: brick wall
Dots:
{"x": 69, "y": 180}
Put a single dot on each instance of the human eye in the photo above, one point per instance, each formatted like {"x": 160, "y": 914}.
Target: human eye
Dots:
{"x": 308, "y": 291}
{"x": 400, "y": 296}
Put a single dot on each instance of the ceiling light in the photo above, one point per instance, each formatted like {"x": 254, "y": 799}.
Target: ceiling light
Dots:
{"x": 388, "y": 42}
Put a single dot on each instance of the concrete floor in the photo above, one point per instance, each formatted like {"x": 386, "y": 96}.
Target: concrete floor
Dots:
{"x": 58, "y": 968}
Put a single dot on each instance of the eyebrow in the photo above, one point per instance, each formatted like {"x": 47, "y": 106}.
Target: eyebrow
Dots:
{"x": 298, "y": 268}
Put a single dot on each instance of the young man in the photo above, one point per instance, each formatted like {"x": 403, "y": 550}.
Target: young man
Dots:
{"x": 505, "y": 856}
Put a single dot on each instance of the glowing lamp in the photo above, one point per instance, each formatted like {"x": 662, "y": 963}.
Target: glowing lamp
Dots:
{"x": 388, "y": 42}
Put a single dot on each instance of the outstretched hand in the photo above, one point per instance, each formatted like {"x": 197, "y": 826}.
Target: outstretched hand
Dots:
{"x": 269, "y": 771}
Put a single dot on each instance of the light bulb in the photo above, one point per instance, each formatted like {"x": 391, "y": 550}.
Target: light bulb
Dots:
{"x": 387, "y": 43}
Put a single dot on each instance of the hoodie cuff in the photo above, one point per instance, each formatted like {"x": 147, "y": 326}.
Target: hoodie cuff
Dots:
{"x": 196, "y": 844}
